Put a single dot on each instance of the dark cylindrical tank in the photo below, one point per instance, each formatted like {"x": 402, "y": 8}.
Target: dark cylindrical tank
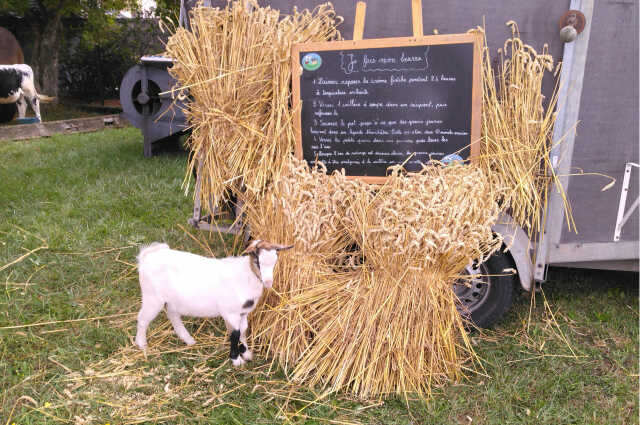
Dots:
{"x": 10, "y": 51}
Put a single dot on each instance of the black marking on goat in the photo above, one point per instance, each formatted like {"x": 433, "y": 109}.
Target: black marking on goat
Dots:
{"x": 256, "y": 257}
{"x": 248, "y": 304}
{"x": 242, "y": 348}
{"x": 255, "y": 264}
{"x": 235, "y": 351}
{"x": 10, "y": 82}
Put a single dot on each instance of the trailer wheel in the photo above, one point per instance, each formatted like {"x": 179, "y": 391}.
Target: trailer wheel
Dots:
{"x": 486, "y": 298}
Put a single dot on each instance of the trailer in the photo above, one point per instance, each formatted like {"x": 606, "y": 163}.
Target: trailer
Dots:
{"x": 597, "y": 121}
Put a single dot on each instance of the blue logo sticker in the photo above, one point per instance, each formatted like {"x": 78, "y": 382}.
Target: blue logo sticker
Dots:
{"x": 311, "y": 61}
{"x": 451, "y": 158}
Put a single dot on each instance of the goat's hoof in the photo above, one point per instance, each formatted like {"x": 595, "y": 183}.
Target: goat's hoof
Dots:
{"x": 247, "y": 355}
{"x": 238, "y": 361}
{"x": 190, "y": 341}
{"x": 141, "y": 344}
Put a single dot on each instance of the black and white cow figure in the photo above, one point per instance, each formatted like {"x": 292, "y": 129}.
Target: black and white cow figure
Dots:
{"x": 16, "y": 86}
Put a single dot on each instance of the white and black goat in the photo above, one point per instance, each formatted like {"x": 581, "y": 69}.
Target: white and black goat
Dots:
{"x": 16, "y": 86}
{"x": 191, "y": 285}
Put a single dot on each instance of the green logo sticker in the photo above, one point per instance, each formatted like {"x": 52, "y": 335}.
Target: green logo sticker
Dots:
{"x": 311, "y": 61}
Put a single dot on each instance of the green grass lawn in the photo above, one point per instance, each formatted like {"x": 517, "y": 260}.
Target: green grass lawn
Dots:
{"x": 73, "y": 210}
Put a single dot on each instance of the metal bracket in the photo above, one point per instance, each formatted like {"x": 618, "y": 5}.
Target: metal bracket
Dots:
{"x": 208, "y": 222}
{"x": 568, "y": 108}
{"x": 622, "y": 215}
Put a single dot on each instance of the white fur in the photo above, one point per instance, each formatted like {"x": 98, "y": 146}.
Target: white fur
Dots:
{"x": 191, "y": 285}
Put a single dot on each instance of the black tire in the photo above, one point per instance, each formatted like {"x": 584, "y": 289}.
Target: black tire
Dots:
{"x": 491, "y": 293}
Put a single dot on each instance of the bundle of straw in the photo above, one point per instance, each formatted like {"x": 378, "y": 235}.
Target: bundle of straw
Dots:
{"x": 304, "y": 207}
{"x": 517, "y": 129}
{"x": 365, "y": 300}
{"x": 234, "y": 66}
{"x": 400, "y": 330}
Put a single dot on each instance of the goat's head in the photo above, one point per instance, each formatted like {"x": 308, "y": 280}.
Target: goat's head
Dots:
{"x": 265, "y": 255}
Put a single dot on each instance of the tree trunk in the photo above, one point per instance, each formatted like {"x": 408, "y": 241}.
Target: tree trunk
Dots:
{"x": 47, "y": 30}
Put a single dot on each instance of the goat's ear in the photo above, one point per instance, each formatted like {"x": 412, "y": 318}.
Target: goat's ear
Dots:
{"x": 253, "y": 246}
{"x": 283, "y": 247}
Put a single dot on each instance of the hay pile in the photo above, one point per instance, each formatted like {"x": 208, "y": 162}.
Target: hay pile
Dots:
{"x": 305, "y": 207}
{"x": 235, "y": 67}
{"x": 365, "y": 301}
{"x": 517, "y": 130}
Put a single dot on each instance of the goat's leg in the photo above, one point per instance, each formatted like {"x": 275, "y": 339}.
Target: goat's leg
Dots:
{"x": 242, "y": 345}
{"x": 233, "y": 322}
{"x": 244, "y": 348}
{"x": 151, "y": 306}
{"x": 178, "y": 326}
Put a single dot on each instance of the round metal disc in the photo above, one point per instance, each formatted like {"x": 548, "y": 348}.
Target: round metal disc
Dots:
{"x": 574, "y": 18}
{"x": 473, "y": 292}
{"x": 132, "y": 92}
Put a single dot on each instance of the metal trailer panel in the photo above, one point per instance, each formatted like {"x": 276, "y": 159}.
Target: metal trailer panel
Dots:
{"x": 603, "y": 101}
{"x": 607, "y": 134}
{"x": 537, "y": 21}
{"x": 568, "y": 107}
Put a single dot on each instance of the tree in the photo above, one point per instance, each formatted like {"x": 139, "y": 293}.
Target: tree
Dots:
{"x": 92, "y": 67}
{"x": 45, "y": 18}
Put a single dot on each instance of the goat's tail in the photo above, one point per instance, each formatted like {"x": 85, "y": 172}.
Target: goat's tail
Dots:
{"x": 147, "y": 249}
{"x": 45, "y": 99}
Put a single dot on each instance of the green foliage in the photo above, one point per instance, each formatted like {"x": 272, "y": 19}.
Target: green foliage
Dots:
{"x": 91, "y": 9}
{"x": 168, "y": 9}
{"x": 94, "y": 63}
{"x": 105, "y": 49}
{"x": 18, "y": 7}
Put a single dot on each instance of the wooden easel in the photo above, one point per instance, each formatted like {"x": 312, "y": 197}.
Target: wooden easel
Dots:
{"x": 361, "y": 10}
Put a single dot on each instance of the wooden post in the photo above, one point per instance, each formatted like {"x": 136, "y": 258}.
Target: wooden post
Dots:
{"x": 416, "y": 15}
{"x": 358, "y": 26}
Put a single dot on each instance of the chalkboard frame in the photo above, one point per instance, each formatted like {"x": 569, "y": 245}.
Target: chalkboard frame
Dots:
{"x": 476, "y": 97}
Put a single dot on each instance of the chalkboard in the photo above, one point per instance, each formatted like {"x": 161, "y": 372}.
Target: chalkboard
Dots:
{"x": 366, "y": 105}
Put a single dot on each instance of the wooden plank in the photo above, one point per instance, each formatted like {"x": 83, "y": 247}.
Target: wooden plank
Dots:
{"x": 48, "y": 129}
{"x": 358, "y": 26}
{"x": 383, "y": 42}
{"x": 476, "y": 101}
{"x": 296, "y": 72}
{"x": 416, "y": 18}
